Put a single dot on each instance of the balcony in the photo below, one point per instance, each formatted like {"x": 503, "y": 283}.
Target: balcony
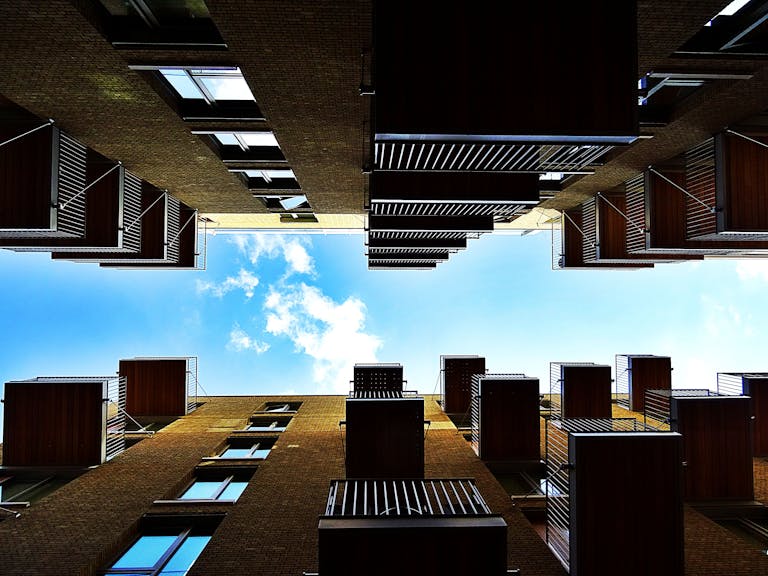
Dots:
{"x": 160, "y": 388}
{"x": 605, "y": 461}
{"x": 384, "y": 527}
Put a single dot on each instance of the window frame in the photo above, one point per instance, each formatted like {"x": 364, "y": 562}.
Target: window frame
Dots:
{"x": 242, "y": 152}
{"x": 203, "y": 109}
{"x": 164, "y": 558}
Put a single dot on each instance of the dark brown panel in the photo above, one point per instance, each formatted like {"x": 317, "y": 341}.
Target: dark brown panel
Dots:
{"x": 155, "y": 387}
{"x": 666, "y": 218}
{"x": 435, "y": 547}
{"x": 586, "y": 391}
{"x": 647, "y": 373}
{"x": 431, "y": 223}
{"x": 153, "y": 231}
{"x": 573, "y": 254}
{"x": 717, "y": 446}
{"x": 465, "y": 68}
{"x": 509, "y": 420}
{"x": 745, "y": 177}
{"x": 757, "y": 389}
{"x": 639, "y": 525}
{"x": 613, "y": 232}
{"x": 26, "y": 170}
{"x": 53, "y": 423}
{"x": 385, "y": 438}
{"x": 457, "y": 382}
{"x": 427, "y": 186}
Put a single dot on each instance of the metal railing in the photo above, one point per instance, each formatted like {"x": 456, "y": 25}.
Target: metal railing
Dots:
{"x": 700, "y": 184}
{"x": 558, "y": 246}
{"x": 622, "y": 380}
{"x": 405, "y": 498}
{"x": 731, "y": 384}
{"x": 590, "y": 241}
{"x": 486, "y": 157}
{"x": 116, "y": 416}
{"x": 657, "y": 413}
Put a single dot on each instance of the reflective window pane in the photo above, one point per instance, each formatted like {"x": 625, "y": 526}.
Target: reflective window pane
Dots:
{"x": 227, "y": 88}
{"x": 236, "y": 453}
{"x": 185, "y": 556}
{"x": 145, "y": 552}
{"x": 201, "y": 490}
{"x": 259, "y": 139}
{"x": 233, "y": 491}
{"x": 226, "y": 139}
{"x": 182, "y": 83}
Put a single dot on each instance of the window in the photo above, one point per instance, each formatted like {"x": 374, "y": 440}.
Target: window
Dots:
{"x": 280, "y": 407}
{"x": 204, "y": 93}
{"x": 225, "y": 489}
{"x": 268, "y": 424}
{"x": 246, "y": 448}
{"x": 298, "y": 217}
{"x": 177, "y": 24}
{"x": 740, "y": 29}
{"x": 269, "y": 179}
{"x": 240, "y": 147}
{"x": 29, "y": 487}
{"x": 161, "y": 553}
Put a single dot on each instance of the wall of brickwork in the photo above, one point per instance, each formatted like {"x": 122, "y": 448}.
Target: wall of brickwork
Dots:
{"x": 89, "y": 521}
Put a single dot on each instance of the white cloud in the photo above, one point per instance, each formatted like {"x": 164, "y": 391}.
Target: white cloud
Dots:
{"x": 245, "y": 280}
{"x": 331, "y": 334}
{"x": 240, "y": 341}
{"x": 748, "y": 270}
{"x": 259, "y": 245}
{"x": 724, "y": 320}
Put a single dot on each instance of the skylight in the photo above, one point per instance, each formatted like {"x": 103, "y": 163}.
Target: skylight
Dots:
{"x": 730, "y": 10}
{"x": 247, "y": 139}
{"x": 209, "y": 84}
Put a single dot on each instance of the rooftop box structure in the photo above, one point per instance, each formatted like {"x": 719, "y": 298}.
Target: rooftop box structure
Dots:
{"x": 385, "y": 435}
{"x": 160, "y": 387}
{"x": 636, "y": 373}
{"x": 591, "y": 460}
{"x": 42, "y": 175}
{"x": 754, "y": 385}
{"x": 488, "y": 121}
{"x": 63, "y": 421}
{"x": 505, "y": 418}
{"x": 580, "y": 389}
{"x": 456, "y": 374}
{"x": 717, "y": 440}
{"x": 385, "y": 527}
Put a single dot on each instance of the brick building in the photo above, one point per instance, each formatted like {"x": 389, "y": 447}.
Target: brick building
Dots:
{"x": 241, "y": 483}
{"x": 286, "y": 116}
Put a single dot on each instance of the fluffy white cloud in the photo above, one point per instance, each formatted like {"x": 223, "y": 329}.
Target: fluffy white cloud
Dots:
{"x": 724, "y": 320}
{"x": 245, "y": 281}
{"x": 256, "y": 246}
{"x": 748, "y": 270}
{"x": 240, "y": 341}
{"x": 331, "y": 334}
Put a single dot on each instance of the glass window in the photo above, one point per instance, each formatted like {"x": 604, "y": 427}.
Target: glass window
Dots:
{"x": 248, "y": 140}
{"x": 211, "y": 84}
{"x": 263, "y": 427}
{"x": 162, "y": 554}
{"x": 254, "y": 449}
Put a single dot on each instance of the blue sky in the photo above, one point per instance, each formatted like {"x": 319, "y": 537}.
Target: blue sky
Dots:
{"x": 277, "y": 314}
